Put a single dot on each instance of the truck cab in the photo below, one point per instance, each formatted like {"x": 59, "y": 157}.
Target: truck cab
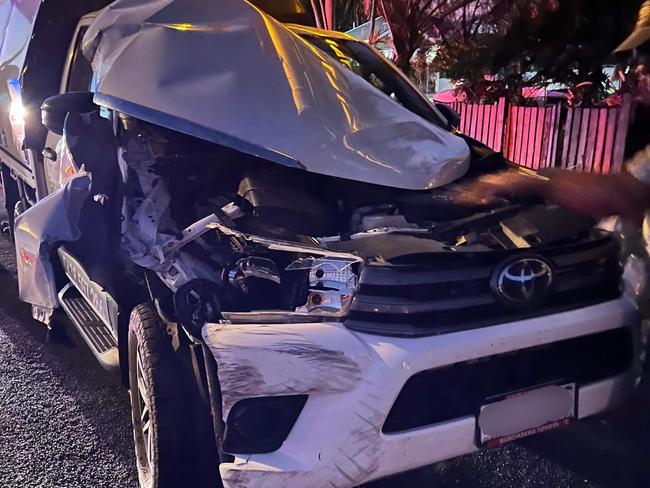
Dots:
{"x": 261, "y": 228}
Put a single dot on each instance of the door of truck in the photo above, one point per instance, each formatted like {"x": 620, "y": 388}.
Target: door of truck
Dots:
{"x": 77, "y": 76}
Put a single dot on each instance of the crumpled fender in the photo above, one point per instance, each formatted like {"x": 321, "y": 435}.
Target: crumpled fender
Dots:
{"x": 38, "y": 230}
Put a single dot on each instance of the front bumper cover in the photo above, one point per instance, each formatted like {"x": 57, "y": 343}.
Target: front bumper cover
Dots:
{"x": 353, "y": 379}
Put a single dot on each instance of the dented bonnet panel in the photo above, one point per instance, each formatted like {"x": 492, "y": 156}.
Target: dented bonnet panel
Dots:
{"x": 226, "y": 72}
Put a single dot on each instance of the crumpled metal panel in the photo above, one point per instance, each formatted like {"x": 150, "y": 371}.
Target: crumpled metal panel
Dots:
{"x": 148, "y": 238}
{"x": 51, "y": 221}
{"x": 226, "y": 72}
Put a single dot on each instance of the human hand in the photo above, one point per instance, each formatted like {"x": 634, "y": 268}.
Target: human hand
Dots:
{"x": 594, "y": 195}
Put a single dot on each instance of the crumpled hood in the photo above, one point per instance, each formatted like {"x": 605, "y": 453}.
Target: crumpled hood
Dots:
{"x": 226, "y": 72}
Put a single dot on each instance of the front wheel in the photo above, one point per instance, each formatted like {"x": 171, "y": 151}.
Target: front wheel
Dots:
{"x": 161, "y": 405}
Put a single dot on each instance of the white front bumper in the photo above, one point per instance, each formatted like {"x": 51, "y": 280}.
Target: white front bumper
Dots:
{"x": 353, "y": 380}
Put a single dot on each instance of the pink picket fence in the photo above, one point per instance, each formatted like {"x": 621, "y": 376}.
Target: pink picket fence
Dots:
{"x": 484, "y": 123}
{"x": 584, "y": 139}
{"x": 594, "y": 139}
{"x": 531, "y": 135}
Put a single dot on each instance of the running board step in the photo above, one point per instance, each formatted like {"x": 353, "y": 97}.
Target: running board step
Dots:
{"x": 97, "y": 335}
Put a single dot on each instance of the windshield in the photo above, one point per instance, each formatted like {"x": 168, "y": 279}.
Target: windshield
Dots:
{"x": 371, "y": 66}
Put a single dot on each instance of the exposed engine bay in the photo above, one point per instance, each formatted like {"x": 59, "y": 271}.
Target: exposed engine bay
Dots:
{"x": 238, "y": 239}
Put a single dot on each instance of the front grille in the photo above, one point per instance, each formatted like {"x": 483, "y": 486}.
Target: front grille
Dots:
{"x": 451, "y": 291}
{"x": 459, "y": 390}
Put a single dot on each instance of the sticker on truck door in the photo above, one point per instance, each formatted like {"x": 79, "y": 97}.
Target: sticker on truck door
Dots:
{"x": 526, "y": 413}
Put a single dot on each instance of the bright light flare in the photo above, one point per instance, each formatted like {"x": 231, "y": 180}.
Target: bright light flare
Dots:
{"x": 17, "y": 112}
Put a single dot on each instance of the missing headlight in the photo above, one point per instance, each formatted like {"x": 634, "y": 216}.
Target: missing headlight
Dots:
{"x": 300, "y": 282}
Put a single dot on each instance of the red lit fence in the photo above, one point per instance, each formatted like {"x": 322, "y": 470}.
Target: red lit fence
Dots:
{"x": 532, "y": 135}
{"x": 484, "y": 123}
{"x": 585, "y": 139}
{"x": 594, "y": 139}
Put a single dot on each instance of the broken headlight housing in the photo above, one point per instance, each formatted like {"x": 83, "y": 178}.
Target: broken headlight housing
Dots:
{"x": 332, "y": 284}
{"x": 317, "y": 282}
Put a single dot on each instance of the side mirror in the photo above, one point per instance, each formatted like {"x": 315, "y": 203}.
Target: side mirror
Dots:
{"x": 55, "y": 109}
{"x": 450, "y": 114}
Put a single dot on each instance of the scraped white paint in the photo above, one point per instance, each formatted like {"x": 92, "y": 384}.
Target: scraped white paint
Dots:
{"x": 337, "y": 439}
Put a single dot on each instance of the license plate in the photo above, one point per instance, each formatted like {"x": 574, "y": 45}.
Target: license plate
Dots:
{"x": 527, "y": 413}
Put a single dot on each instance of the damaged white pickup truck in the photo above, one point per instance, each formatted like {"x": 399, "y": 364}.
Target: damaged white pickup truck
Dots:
{"x": 260, "y": 225}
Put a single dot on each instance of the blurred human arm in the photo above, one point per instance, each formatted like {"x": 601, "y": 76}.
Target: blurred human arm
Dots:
{"x": 597, "y": 196}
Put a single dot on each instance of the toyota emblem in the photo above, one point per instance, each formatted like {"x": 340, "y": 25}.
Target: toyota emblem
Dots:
{"x": 523, "y": 281}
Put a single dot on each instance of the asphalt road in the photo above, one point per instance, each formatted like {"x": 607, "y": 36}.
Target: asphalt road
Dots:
{"x": 64, "y": 422}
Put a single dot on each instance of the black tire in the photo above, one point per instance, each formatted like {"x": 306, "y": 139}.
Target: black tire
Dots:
{"x": 161, "y": 405}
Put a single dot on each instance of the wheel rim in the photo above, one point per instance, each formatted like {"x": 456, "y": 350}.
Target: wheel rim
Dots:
{"x": 142, "y": 421}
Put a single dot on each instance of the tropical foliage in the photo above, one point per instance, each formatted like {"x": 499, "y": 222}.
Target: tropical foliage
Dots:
{"x": 496, "y": 47}
{"x": 457, "y": 27}
{"x": 568, "y": 44}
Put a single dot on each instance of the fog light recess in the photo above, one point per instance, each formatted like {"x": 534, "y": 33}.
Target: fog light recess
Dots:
{"x": 261, "y": 425}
